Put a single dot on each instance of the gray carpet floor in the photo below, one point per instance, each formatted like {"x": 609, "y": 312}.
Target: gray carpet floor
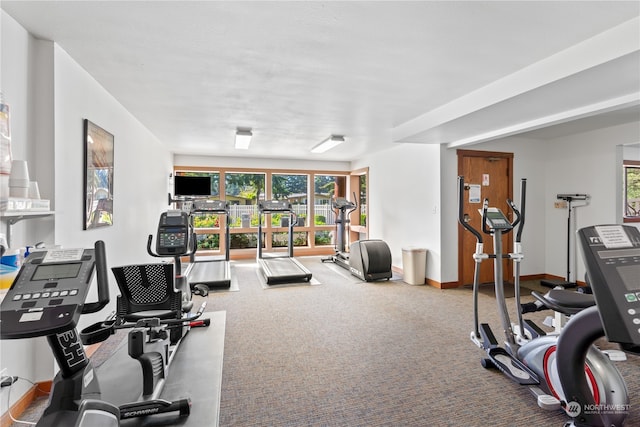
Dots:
{"x": 342, "y": 352}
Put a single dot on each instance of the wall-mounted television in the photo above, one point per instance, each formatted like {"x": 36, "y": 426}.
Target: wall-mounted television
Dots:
{"x": 192, "y": 185}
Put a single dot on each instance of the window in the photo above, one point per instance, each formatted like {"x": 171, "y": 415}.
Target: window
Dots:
{"x": 294, "y": 188}
{"x": 363, "y": 200}
{"x": 326, "y": 187}
{"x": 631, "y": 196}
{"x": 242, "y": 192}
{"x": 309, "y": 192}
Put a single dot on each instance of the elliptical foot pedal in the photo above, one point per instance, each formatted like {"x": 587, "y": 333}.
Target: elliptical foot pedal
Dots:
{"x": 512, "y": 367}
{"x": 549, "y": 403}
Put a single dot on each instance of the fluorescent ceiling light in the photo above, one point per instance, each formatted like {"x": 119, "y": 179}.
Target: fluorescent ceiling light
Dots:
{"x": 243, "y": 139}
{"x": 328, "y": 144}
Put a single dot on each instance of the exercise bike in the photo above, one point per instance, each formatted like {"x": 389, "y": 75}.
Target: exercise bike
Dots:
{"x": 529, "y": 355}
{"x": 46, "y": 299}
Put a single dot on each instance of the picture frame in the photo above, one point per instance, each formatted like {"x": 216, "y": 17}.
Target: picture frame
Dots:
{"x": 98, "y": 176}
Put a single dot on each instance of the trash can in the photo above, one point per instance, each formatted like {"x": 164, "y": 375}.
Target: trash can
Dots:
{"x": 414, "y": 265}
{"x": 246, "y": 220}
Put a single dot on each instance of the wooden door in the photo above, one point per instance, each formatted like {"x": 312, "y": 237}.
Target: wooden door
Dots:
{"x": 487, "y": 175}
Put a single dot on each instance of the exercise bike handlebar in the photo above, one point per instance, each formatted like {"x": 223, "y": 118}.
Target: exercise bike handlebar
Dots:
{"x": 100, "y": 331}
{"x": 190, "y": 251}
{"x": 102, "y": 279}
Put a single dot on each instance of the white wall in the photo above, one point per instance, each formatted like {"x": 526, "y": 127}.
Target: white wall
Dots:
{"x": 18, "y": 357}
{"x": 141, "y": 169}
{"x": 52, "y": 94}
{"x": 583, "y": 163}
{"x": 404, "y": 200}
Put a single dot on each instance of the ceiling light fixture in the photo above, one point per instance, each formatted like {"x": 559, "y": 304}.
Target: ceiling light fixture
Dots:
{"x": 328, "y": 144}
{"x": 243, "y": 138}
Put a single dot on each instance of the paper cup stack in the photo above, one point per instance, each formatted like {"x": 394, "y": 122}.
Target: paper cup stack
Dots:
{"x": 19, "y": 179}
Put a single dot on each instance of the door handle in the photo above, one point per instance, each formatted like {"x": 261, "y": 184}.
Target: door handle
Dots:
{"x": 466, "y": 218}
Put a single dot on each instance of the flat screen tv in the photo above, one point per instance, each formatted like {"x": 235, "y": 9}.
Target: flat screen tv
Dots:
{"x": 192, "y": 185}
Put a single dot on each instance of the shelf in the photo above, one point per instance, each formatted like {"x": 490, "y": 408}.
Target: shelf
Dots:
{"x": 12, "y": 217}
{"x": 15, "y": 216}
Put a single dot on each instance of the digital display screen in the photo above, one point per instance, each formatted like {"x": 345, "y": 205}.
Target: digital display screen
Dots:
{"x": 56, "y": 271}
{"x": 171, "y": 239}
{"x": 630, "y": 277}
{"x": 192, "y": 185}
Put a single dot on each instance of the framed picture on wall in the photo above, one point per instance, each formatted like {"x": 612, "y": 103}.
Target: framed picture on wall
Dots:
{"x": 98, "y": 176}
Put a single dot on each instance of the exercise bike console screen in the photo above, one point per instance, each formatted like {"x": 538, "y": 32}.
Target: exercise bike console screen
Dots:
{"x": 48, "y": 294}
{"x": 612, "y": 260}
{"x": 56, "y": 271}
{"x": 173, "y": 233}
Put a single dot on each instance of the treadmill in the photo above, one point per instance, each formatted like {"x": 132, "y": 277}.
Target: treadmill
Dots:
{"x": 210, "y": 271}
{"x": 280, "y": 269}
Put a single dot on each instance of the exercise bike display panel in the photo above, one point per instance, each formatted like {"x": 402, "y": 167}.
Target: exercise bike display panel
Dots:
{"x": 612, "y": 260}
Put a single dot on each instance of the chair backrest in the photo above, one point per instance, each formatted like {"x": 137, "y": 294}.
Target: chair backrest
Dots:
{"x": 147, "y": 288}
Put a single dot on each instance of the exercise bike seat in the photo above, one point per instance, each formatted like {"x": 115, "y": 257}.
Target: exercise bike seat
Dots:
{"x": 146, "y": 291}
{"x": 565, "y": 302}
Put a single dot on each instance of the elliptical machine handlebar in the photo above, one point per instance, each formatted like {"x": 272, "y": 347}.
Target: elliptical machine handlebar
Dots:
{"x": 461, "y": 217}
{"x": 485, "y": 208}
{"x": 519, "y": 222}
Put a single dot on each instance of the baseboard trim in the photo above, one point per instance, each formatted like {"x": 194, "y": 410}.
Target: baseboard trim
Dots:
{"x": 17, "y": 409}
{"x": 39, "y": 389}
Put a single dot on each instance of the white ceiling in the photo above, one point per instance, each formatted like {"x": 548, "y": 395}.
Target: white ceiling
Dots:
{"x": 297, "y": 72}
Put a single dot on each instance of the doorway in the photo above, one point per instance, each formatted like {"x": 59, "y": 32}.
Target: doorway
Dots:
{"x": 487, "y": 175}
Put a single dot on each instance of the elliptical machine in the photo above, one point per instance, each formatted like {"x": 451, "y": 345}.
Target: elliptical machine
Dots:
{"x": 368, "y": 260}
{"x": 529, "y": 354}
{"x": 344, "y": 207}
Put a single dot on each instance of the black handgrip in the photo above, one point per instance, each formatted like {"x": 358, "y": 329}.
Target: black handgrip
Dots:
{"x": 461, "y": 210}
{"x": 149, "y": 250}
{"x": 523, "y": 199}
{"x": 485, "y": 208}
{"x": 102, "y": 279}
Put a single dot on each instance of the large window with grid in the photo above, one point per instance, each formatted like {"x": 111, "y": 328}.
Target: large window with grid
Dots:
{"x": 310, "y": 193}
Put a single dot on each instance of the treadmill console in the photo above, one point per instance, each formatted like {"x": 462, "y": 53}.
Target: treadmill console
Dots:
{"x": 214, "y": 206}
{"x": 612, "y": 259}
{"x": 496, "y": 220}
{"x": 274, "y": 206}
{"x": 173, "y": 233}
{"x": 48, "y": 294}
{"x": 343, "y": 203}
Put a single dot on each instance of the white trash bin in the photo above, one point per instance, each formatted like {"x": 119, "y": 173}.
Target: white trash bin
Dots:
{"x": 414, "y": 265}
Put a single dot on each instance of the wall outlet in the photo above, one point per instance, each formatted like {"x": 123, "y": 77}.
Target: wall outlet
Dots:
{"x": 560, "y": 205}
